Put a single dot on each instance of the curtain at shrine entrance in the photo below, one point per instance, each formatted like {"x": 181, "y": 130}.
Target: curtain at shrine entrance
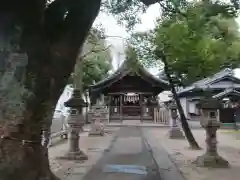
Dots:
{"x": 131, "y": 99}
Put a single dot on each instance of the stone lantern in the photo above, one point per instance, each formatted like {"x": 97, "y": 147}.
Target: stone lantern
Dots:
{"x": 208, "y": 108}
{"x": 98, "y": 120}
{"x": 75, "y": 122}
{"x": 175, "y": 131}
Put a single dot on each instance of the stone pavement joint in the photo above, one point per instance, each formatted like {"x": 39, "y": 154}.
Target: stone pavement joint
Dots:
{"x": 166, "y": 166}
{"x": 150, "y": 150}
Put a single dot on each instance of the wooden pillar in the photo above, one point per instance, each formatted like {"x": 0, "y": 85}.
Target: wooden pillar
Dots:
{"x": 141, "y": 107}
{"x": 109, "y": 107}
{"x": 121, "y": 98}
{"x": 154, "y": 110}
{"x": 93, "y": 99}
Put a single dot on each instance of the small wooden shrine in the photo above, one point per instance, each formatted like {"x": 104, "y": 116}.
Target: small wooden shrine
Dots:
{"x": 131, "y": 92}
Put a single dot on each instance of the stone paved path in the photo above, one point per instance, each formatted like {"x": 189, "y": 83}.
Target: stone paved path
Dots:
{"x": 129, "y": 148}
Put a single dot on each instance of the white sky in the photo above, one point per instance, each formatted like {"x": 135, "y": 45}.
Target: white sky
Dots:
{"x": 117, "y": 42}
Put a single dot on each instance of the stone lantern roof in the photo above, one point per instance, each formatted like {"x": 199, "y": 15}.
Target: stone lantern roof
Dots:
{"x": 76, "y": 100}
{"x": 173, "y": 106}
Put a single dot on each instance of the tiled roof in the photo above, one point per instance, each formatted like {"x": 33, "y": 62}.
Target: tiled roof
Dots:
{"x": 124, "y": 70}
{"x": 229, "y": 91}
{"x": 206, "y": 82}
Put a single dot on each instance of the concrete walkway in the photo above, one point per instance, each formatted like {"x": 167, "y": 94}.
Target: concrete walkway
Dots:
{"x": 128, "y": 159}
{"x": 168, "y": 170}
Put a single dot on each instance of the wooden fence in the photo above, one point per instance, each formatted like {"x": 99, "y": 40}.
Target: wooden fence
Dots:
{"x": 161, "y": 116}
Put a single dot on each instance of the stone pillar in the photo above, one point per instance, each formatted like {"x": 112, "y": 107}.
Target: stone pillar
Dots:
{"x": 75, "y": 122}
{"x": 175, "y": 131}
{"x": 209, "y": 122}
{"x": 144, "y": 107}
{"x": 211, "y": 158}
{"x": 99, "y": 117}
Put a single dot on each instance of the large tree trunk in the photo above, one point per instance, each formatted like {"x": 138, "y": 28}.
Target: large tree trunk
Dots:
{"x": 192, "y": 142}
{"x": 22, "y": 157}
{"x": 24, "y": 160}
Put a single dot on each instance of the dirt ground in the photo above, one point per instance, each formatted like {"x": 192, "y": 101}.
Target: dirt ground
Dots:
{"x": 228, "y": 146}
{"x": 92, "y": 146}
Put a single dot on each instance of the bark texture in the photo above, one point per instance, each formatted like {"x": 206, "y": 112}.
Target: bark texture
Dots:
{"x": 50, "y": 61}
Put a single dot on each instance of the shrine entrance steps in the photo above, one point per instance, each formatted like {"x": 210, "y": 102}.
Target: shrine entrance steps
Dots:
{"x": 130, "y": 118}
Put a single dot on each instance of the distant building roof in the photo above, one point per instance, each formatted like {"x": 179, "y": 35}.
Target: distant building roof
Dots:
{"x": 227, "y": 92}
{"x": 209, "y": 81}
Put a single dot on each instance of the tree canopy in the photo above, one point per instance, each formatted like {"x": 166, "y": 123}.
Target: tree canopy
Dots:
{"x": 96, "y": 65}
{"x": 189, "y": 42}
{"x": 196, "y": 45}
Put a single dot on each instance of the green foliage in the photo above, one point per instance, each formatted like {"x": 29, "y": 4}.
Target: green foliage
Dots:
{"x": 132, "y": 58}
{"x": 197, "y": 44}
{"x": 95, "y": 68}
{"x": 128, "y": 12}
{"x": 125, "y": 11}
{"x": 96, "y": 59}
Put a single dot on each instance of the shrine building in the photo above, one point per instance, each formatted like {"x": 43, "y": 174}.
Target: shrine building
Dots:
{"x": 131, "y": 92}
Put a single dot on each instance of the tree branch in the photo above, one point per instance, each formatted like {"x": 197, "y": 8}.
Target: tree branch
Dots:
{"x": 172, "y": 10}
{"x": 94, "y": 51}
{"x": 149, "y": 2}
{"x": 54, "y": 19}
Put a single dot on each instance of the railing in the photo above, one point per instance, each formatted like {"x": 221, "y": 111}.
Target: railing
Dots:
{"x": 161, "y": 115}
{"x": 59, "y": 127}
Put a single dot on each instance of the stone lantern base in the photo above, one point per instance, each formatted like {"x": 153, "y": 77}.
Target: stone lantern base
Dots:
{"x": 214, "y": 161}
{"x": 176, "y": 133}
{"x": 96, "y": 130}
{"x": 78, "y": 156}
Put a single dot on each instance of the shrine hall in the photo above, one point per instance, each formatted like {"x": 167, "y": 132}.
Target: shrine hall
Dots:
{"x": 131, "y": 93}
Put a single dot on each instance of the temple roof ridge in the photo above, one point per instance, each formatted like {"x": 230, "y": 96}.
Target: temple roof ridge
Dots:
{"x": 129, "y": 67}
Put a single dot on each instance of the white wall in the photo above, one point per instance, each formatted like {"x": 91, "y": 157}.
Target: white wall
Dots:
{"x": 164, "y": 96}
{"x": 60, "y": 108}
{"x": 192, "y": 107}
